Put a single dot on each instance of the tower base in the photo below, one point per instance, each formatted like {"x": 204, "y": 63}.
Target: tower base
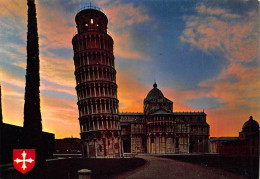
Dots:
{"x": 101, "y": 144}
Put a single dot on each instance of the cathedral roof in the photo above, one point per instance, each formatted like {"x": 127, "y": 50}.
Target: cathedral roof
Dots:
{"x": 251, "y": 124}
{"x": 155, "y": 93}
{"x": 130, "y": 114}
{"x": 160, "y": 111}
{"x": 223, "y": 138}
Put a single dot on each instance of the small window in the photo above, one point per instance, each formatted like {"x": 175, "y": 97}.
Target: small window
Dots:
{"x": 177, "y": 142}
{"x": 200, "y": 139}
{"x": 91, "y": 21}
{"x": 143, "y": 142}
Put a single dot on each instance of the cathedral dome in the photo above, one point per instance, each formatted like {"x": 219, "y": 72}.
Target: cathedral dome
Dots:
{"x": 155, "y": 93}
{"x": 251, "y": 124}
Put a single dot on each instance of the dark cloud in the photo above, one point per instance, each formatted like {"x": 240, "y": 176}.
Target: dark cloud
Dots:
{"x": 235, "y": 6}
{"x": 64, "y": 53}
{"x": 205, "y": 103}
{"x": 231, "y": 78}
{"x": 57, "y": 94}
{"x": 252, "y": 64}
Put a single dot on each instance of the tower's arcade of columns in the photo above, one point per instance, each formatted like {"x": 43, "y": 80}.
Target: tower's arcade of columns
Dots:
{"x": 96, "y": 86}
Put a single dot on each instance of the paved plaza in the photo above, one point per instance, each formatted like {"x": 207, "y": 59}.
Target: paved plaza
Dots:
{"x": 167, "y": 168}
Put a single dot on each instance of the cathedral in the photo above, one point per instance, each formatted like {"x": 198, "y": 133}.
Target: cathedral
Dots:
{"x": 159, "y": 130}
{"x": 106, "y": 133}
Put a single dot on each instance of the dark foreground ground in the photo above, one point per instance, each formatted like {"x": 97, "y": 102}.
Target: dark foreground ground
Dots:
{"x": 145, "y": 167}
{"x": 164, "y": 168}
{"x": 246, "y": 166}
{"x": 67, "y": 168}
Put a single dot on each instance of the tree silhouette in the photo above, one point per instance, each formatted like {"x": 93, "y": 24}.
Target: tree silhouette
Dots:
{"x": 32, "y": 113}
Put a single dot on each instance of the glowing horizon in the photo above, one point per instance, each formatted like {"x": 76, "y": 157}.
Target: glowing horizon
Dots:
{"x": 203, "y": 55}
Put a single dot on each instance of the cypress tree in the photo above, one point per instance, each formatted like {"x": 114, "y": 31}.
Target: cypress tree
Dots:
{"x": 32, "y": 114}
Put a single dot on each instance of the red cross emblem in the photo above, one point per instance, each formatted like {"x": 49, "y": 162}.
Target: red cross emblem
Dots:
{"x": 23, "y": 159}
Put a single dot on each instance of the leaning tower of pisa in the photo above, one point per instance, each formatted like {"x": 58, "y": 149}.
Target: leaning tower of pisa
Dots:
{"x": 96, "y": 86}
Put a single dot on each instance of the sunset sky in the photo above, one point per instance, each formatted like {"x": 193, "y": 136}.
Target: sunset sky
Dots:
{"x": 202, "y": 54}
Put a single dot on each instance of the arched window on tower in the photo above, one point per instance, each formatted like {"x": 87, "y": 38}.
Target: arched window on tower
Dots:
{"x": 105, "y": 43}
{"x": 87, "y": 89}
{"x": 89, "y": 108}
{"x": 80, "y": 44}
{"x": 98, "y": 58}
{"x": 97, "y": 41}
{"x": 92, "y": 41}
{"x": 98, "y": 106}
{"x": 177, "y": 143}
{"x": 88, "y": 39}
{"x": 105, "y": 89}
{"x": 100, "y": 72}
{"x": 102, "y": 43}
{"x": 95, "y": 73}
{"x": 84, "y": 93}
{"x": 94, "y": 58}
{"x": 84, "y": 42}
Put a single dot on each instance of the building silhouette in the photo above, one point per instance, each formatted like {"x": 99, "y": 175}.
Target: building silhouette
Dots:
{"x": 160, "y": 130}
{"x": 1, "y": 113}
{"x": 245, "y": 147}
{"x": 96, "y": 85}
{"x": 247, "y": 144}
{"x": 67, "y": 146}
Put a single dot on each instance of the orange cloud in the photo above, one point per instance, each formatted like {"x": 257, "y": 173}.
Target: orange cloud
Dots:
{"x": 234, "y": 35}
{"x": 215, "y": 29}
{"x": 179, "y": 97}
{"x": 127, "y": 14}
{"x": 9, "y": 51}
{"x": 246, "y": 87}
{"x": 58, "y": 71}
{"x": 228, "y": 122}
{"x": 12, "y": 104}
{"x": 8, "y": 77}
{"x": 122, "y": 49}
{"x": 58, "y": 32}
{"x": 17, "y": 7}
{"x": 54, "y": 26}
{"x": 202, "y": 9}
{"x": 131, "y": 93}
{"x": 60, "y": 116}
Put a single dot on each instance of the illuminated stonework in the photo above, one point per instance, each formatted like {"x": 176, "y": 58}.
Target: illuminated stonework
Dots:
{"x": 96, "y": 86}
{"x": 159, "y": 130}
